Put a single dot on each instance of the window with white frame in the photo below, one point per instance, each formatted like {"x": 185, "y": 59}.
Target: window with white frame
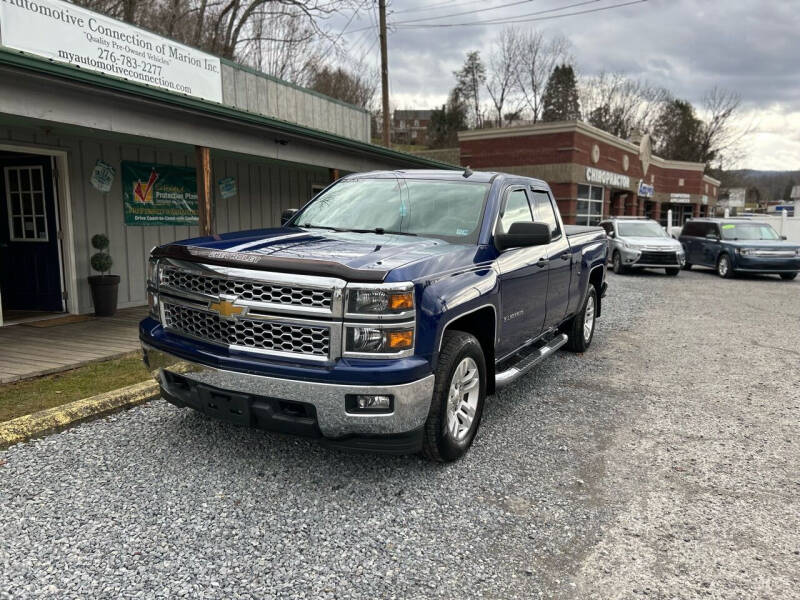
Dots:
{"x": 590, "y": 205}
{"x": 27, "y": 215}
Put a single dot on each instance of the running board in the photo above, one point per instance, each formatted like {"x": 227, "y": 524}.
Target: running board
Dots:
{"x": 527, "y": 363}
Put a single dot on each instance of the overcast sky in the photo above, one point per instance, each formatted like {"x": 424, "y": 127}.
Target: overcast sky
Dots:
{"x": 687, "y": 46}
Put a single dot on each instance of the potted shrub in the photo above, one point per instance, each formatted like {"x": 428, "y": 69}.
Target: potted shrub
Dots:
{"x": 104, "y": 286}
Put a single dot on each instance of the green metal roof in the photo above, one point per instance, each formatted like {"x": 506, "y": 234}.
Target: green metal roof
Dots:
{"x": 28, "y": 62}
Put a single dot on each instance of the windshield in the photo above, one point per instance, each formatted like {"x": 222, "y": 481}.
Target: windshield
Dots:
{"x": 640, "y": 229}
{"x": 445, "y": 209}
{"x": 748, "y": 231}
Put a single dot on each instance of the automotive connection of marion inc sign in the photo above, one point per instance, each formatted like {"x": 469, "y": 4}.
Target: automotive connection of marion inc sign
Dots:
{"x": 67, "y": 33}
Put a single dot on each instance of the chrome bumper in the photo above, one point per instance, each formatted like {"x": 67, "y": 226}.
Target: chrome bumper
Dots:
{"x": 411, "y": 400}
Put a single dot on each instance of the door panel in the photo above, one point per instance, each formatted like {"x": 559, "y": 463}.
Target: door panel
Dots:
{"x": 523, "y": 280}
{"x": 559, "y": 269}
{"x": 30, "y": 275}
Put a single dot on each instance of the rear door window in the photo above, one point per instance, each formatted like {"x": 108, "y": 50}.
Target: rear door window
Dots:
{"x": 543, "y": 211}
{"x": 516, "y": 210}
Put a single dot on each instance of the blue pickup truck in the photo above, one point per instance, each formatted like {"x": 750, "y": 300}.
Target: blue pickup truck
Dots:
{"x": 381, "y": 314}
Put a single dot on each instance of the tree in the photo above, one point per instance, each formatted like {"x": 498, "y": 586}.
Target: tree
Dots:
{"x": 721, "y": 137}
{"x": 560, "y": 99}
{"x": 503, "y": 64}
{"x": 469, "y": 81}
{"x": 537, "y": 57}
{"x": 447, "y": 121}
{"x": 344, "y": 85}
{"x": 678, "y": 133}
{"x": 619, "y": 105}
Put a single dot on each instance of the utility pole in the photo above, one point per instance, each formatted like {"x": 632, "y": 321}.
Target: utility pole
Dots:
{"x": 384, "y": 72}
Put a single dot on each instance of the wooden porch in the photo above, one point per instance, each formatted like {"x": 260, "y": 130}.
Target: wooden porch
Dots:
{"x": 43, "y": 347}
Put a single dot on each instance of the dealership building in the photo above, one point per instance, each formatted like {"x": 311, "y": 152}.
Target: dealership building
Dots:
{"x": 109, "y": 129}
{"x": 594, "y": 174}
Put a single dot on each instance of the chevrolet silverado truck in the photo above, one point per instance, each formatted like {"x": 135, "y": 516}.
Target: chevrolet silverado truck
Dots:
{"x": 380, "y": 315}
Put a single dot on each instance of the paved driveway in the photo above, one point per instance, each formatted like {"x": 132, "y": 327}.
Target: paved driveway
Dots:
{"x": 663, "y": 463}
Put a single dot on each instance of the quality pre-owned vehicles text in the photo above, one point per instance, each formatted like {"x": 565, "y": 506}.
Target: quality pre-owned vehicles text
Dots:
{"x": 380, "y": 315}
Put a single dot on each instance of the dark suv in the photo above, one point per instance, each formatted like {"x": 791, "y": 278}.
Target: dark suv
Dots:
{"x": 739, "y": 246}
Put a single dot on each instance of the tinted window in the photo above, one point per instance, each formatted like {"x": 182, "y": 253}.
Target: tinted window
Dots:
{"x": 543, "y": 212}
{"x": 710, "y": 229}
{"x": 692, "y": 229}
{"x": 516, "y": 210}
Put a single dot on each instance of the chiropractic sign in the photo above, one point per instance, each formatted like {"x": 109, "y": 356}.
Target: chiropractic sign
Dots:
{"x": 67, "y": 33}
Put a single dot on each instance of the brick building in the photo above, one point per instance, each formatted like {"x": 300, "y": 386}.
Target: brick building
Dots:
{"x": 594, "y": 174}
{"x": 411, "y": 127}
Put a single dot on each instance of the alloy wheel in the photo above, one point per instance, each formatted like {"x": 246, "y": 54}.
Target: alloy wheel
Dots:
{"x": 462, "y": 399}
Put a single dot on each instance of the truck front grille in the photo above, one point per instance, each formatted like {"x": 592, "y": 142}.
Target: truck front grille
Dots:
{"x": 271, "y": 336}
{"x": 254, "y": 291}
{"x": 658, "y": 258}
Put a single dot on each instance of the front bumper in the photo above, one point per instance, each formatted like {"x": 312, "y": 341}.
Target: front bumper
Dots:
{"x": 767, "y": 265}
{"x": 289, "y": 405}
{"x": 657, "y": 259}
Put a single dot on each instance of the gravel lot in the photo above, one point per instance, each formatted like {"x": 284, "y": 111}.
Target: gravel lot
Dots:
{"x": 663, "y": 463}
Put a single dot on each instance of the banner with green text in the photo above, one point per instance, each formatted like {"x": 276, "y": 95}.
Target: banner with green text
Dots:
{"x": 159, "y": 194}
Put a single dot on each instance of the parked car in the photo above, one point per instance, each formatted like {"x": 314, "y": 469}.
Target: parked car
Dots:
{"x": 380, "y": 315}
{"x": 739, "y": 246}
{"x": 641, "y": 243}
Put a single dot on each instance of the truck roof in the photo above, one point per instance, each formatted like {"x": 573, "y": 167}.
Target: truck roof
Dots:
{"x": 444, "y": 175}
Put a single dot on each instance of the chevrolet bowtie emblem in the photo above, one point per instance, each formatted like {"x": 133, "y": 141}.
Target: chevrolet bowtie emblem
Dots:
{"x": 226, "y": 308}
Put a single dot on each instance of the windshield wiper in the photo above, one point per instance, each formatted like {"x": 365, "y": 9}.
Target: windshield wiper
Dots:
{"x": 310, "y": 226}
{"x": 381, "y": 231}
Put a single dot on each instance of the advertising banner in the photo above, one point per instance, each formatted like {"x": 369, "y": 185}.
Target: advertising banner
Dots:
{"x": 66, "y": 33}
{"x": 159, "y": 194}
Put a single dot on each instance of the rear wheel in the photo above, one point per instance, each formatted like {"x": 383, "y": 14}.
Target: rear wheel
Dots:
{"x": 788, "y": 276}
{"x": 580, "y": 328}
{"x": 616, "y": 263}
{"x": 673, "y": 271}
{"x": 458, "y": 398}
{"x": 724, "y": 268}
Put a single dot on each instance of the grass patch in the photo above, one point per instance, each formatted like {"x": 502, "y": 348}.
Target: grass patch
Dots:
{"x": 25, "y": 397}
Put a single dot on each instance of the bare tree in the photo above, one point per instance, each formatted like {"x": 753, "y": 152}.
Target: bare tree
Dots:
{"x": 724, "y": 130}
{"x": 355, "y": 87}
{"x": 501, "y": 82}
{"x": 537, "y": 56}
{"x": 617, "y": 104}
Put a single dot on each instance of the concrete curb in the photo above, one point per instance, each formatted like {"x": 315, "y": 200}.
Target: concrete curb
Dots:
{"x": 59, "y": 418}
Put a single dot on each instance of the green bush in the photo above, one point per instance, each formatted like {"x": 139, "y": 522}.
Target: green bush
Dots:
{"x": 101, "y": 261}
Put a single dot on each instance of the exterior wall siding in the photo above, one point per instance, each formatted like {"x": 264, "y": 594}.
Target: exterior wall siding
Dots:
{"x": 261, "y": 94}
{"x": 264, "y": 189}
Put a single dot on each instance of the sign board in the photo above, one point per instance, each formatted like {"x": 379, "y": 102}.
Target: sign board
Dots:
{"x": 67, "y": 33}
{"x": 607, "y": 178}
{"x": 102, "y": 176}
{"x": 680, "y": 198}
{"x": 227, "y": 187}
{"x": 646, "y": 190}
{"x": 159, "y": 194}
{"x": 703, "y": 199}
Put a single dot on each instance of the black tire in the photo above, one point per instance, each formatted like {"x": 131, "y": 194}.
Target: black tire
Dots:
{"x": 577, "y": 341}
{"x": 673, "y": 271}
{"x": 788, "y": 276}
{"x": 616, "y": 263}
{"x": 438, "y": 443}
{"x": 724, "y": 266}
{"x": 687, "y": 266}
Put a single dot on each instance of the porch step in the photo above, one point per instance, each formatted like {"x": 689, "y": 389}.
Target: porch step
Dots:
{"x": 526, "y": 364}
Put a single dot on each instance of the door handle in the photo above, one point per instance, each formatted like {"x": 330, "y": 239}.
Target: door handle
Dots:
{"x": 542, "y": 262}
{"x": 565, "y": 256}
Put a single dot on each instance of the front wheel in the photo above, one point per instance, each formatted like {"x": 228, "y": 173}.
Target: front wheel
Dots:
{"x": 788, "y": 276}
{"x": 673, "y": 271}
{"x": 724, "y": 268}
{"x": 580, "y": 328}
{"x": 458, "y": 398}
{"x": 616, "y": 263}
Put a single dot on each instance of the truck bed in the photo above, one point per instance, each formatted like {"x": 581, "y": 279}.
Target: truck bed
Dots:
{"x": 575, "y": 230}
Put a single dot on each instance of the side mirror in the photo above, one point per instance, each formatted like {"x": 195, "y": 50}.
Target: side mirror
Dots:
{"x": 523, "y": 235}
{"x": 611, "y": 234}
{"x": 287, "y": 214}
{"x": 783, "y": 237}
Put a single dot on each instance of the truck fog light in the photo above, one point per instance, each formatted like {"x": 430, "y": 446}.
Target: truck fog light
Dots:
{"x": 369, "y": 403}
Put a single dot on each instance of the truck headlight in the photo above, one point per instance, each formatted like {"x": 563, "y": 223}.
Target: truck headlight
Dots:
{"x": 377, "y": 340}
{"x": 378, "y": 300}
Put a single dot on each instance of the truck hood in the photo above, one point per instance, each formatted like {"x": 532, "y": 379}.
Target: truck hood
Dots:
{"x": 354, "y": 256}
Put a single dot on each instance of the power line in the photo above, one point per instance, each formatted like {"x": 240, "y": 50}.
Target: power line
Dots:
{"x": 469, "y": 12}
{"x": 346, "y": 25}
{"x": 515, "y": 18}
{"x": 442, "y": 6}
{"x": 519, "y": 20}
